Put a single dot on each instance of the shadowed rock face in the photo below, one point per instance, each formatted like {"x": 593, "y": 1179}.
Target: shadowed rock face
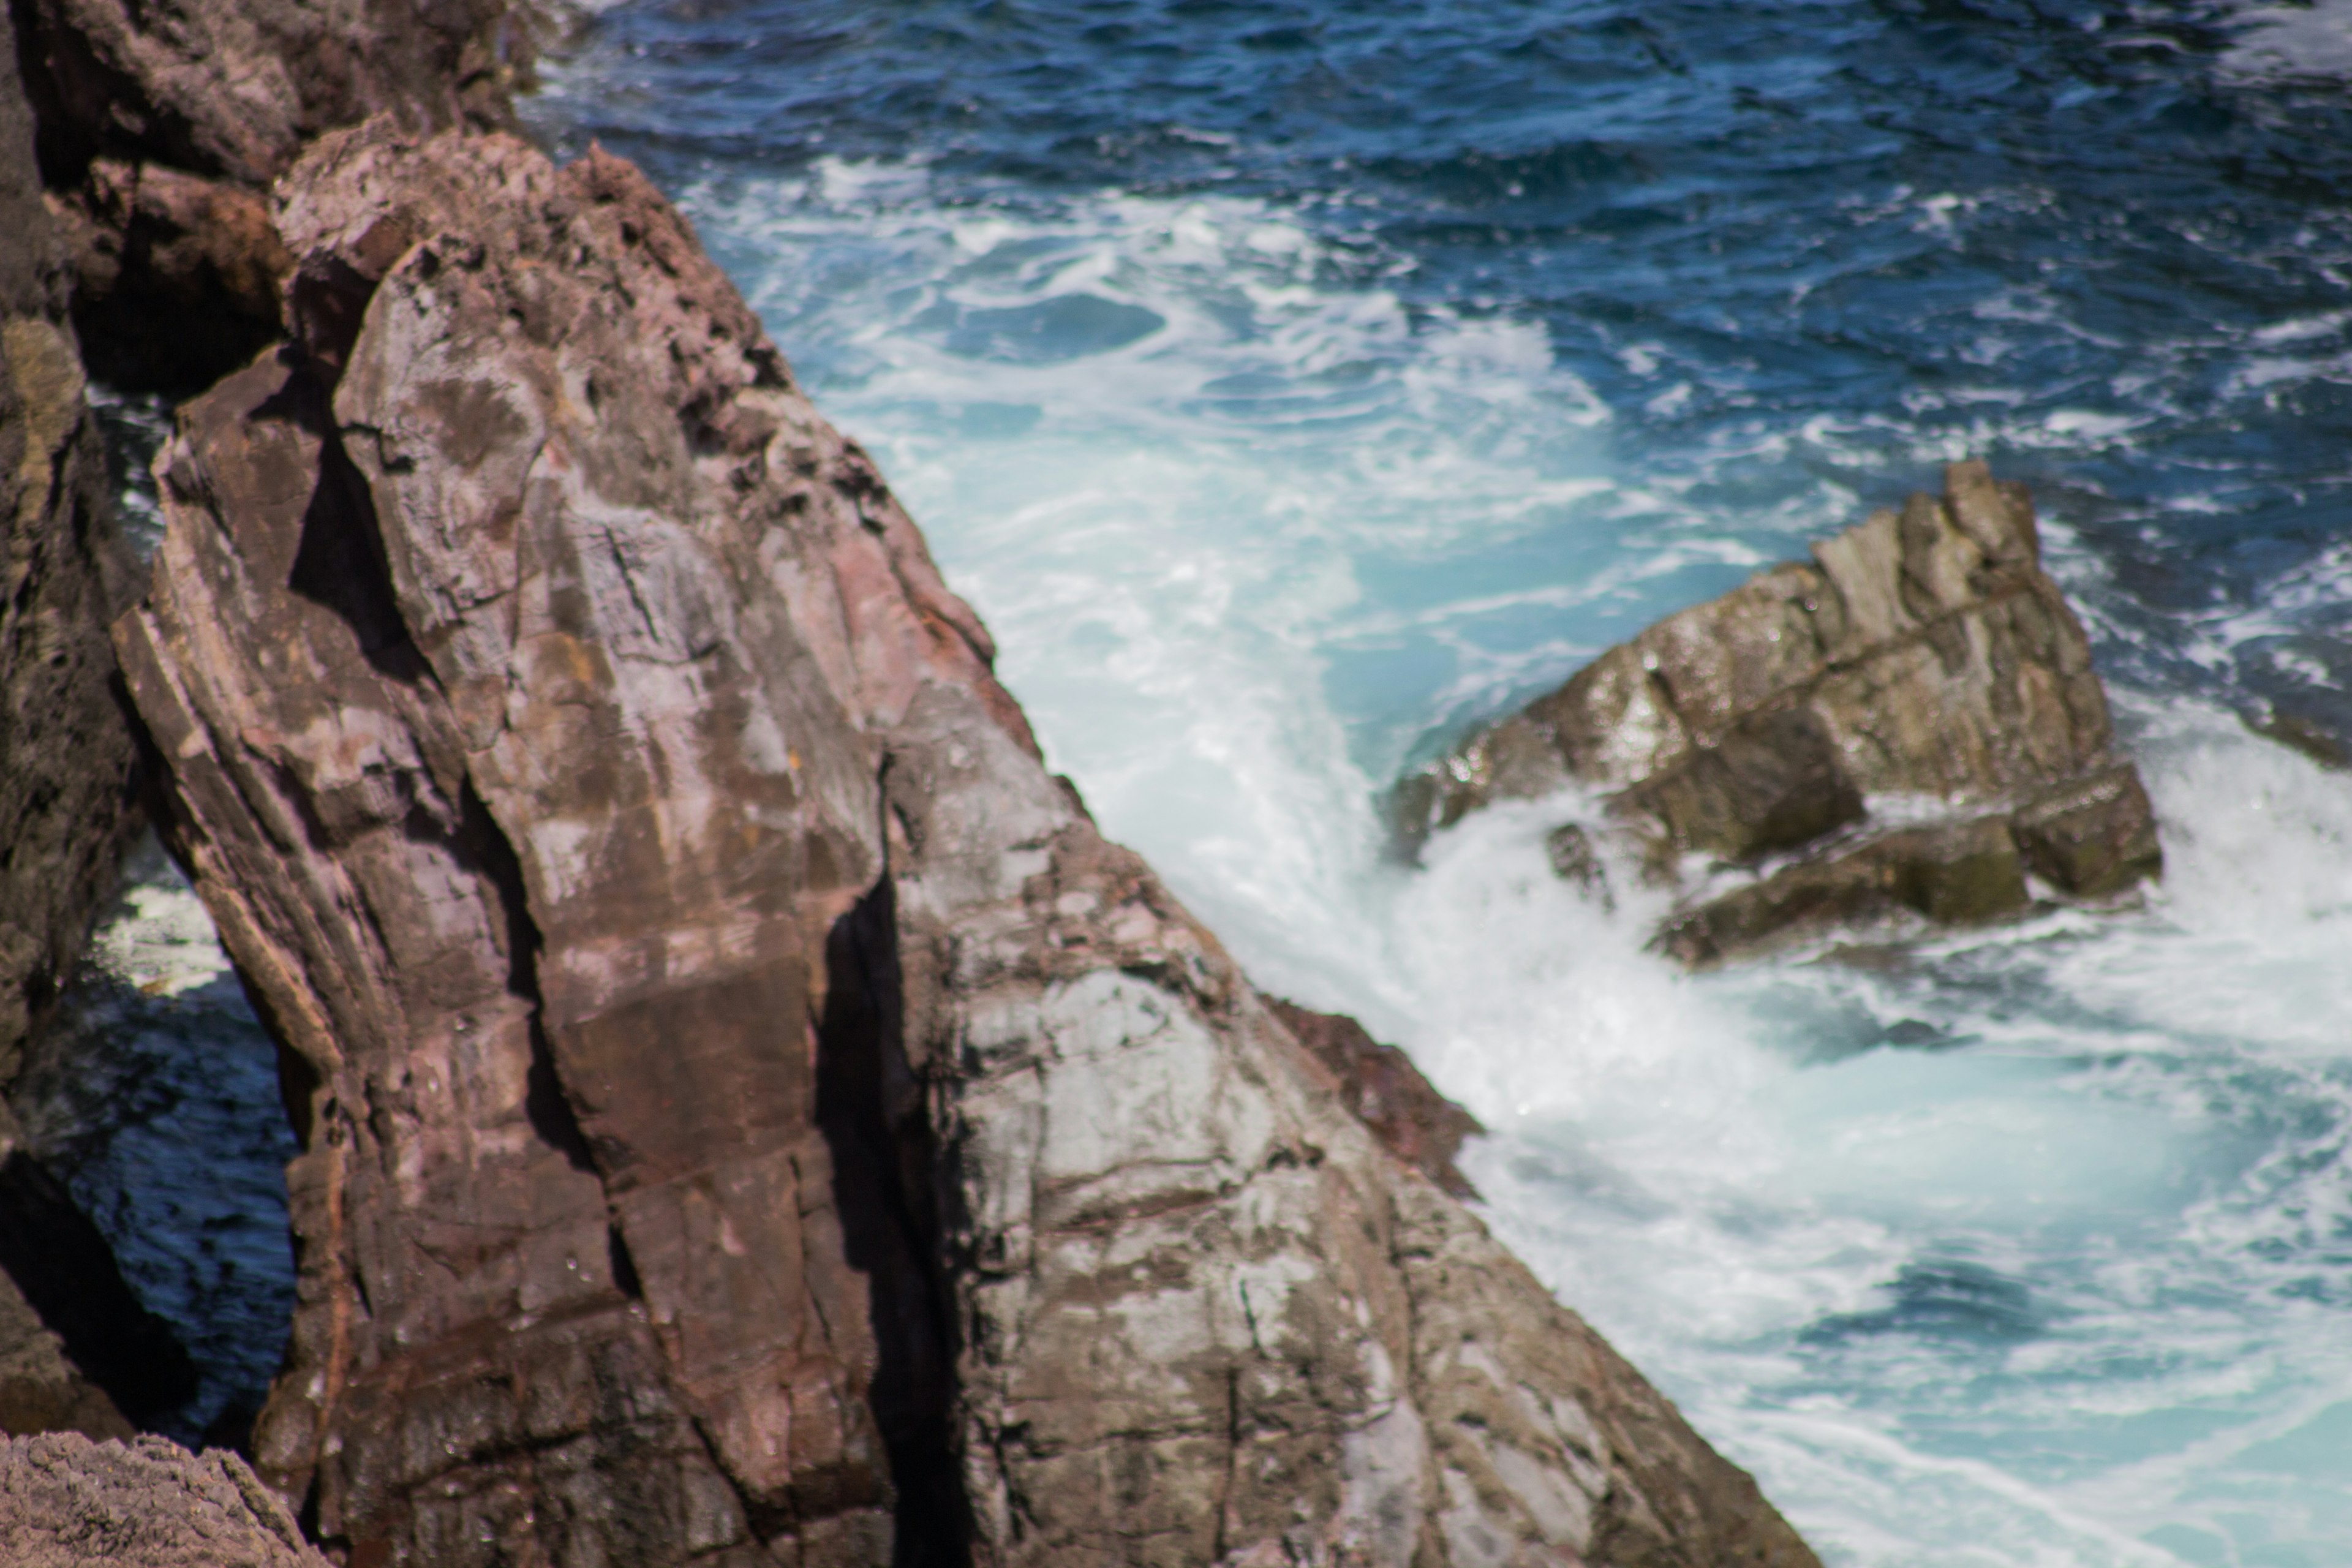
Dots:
{"x": 66, "y": 759}
{"x": 1923, "y": 653}
{"x": 67, "y": 790}
{"x": 66, "y": 1502}
{"x": 749, "y": 1114}
{"x": 161, "y": 128}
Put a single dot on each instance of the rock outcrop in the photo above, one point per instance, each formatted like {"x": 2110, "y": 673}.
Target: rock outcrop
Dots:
{"x": 66, "y": 1502}
{"x": 749, "y": 1114}
{"x": 1923, "y": 661}
{"x": 161, "y": 128}
{"x": 1387, "y": 1092}
{"x": 67, "y": 810}
{"x": 67, "y": 762}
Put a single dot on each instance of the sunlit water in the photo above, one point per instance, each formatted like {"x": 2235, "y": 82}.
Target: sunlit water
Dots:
{"x": 1292, "y": 385}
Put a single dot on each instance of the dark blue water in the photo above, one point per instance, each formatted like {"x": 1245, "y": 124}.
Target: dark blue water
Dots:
{"x": 1290, "y": 384}
{"x": 156, "y": 1095}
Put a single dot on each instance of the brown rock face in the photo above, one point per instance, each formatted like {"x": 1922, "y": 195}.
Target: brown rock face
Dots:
{"x": 161, "y": 127}
{"x": 1387, "y": 1092}
{"x": 67, "y": 762}
{"x": 67, "y": 787}
{"x": 66, "y": 1502}
{"x": 749, "y": 1114}
{"x": 1924, "y": 653}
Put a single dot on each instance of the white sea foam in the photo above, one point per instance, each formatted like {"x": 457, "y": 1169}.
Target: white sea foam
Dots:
{"x": 2020, "y": 1254}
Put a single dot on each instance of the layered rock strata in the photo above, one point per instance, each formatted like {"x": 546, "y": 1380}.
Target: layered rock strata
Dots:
{"x": 67, "y": 762}
{"x": 161, "y": 127}
{"x": 66, "y": 1502}
{"x": 1923, "y": 661}
{"x": 749, "y": 1114}
{"x": 1387, "y": 1092}
{"x": 67, "y": 810}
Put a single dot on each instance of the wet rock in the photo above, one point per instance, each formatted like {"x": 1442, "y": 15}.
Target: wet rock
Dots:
{"x": 1924, "y": 653}
{"x": 1576, "y": 860}
{"x": 65, "y": 1502}
{"x": 160, "y": 129}
{"x": 2092, "y": 836}
{"x": 60, "y": 1267}
{"x": 1387, "y": 1092}
{"x": 41, "y": 1389}
{"x": 749, "y": 1114}
{"x": 2313, "y": 739}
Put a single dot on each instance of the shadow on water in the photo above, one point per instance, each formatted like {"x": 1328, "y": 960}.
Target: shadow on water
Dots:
{"x": 1952, "y": 1302}
{"x": 154, "y": 1100}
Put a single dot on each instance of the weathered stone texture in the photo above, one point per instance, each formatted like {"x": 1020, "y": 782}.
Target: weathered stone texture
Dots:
{"x": 1387, "y": 1092}
{"x": 1924, "y": 653}
{"x": 66, "y": 1502}
{"x": 66, "y": 759}
{"x": 748, "y": 1113}
{"x": 161, "y": 127}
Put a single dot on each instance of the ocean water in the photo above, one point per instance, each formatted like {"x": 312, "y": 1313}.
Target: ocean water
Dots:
{"x": 1293, "y": 384}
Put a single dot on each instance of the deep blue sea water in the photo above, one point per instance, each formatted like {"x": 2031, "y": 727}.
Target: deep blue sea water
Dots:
{"x": 1292, "y": 383}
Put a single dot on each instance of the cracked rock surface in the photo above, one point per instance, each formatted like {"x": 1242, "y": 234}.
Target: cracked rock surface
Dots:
{"x": 66, "y": 1502}
{"x": 749, "y": 1114}
{"x": 161, "y": 127}
{"x": 1924, "y": 656}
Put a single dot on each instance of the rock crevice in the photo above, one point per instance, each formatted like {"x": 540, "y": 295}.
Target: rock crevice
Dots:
{"x": 749, "y": 1112}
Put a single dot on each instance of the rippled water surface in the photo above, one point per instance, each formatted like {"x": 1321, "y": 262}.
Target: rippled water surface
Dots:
{"x": 1292, "y": 385}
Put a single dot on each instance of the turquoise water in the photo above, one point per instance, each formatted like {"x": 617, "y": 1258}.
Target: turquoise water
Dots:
{"x": 1292, "y": 385}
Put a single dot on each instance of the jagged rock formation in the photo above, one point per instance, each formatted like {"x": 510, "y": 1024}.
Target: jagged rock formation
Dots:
{"x": 749, "y": 1114}
{"x": 41, "y": 1389}
{"x": 67, "y": 762}
{"x": 1924, "y": 655}
{"x": 161, "y": 128}
{"x": 1387, "y": 1092}
{"x": 67, "y": 810}
{"x": 66, "y": 1502}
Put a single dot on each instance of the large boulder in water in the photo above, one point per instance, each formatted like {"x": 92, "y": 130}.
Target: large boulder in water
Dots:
{"x": 1924, "y": 660}
{"x": 749, "y": 1114}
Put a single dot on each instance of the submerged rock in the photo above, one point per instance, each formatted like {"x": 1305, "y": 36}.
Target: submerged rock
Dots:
{"x": 749, "y": 1114}
{"x": 65, "y": 1502}
{"x": 1924, "y": 654}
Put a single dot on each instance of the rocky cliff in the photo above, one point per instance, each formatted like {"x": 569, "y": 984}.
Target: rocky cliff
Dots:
{"x": 1903, "y": 730}
{"x": 66, "y": 1502}
{"x": 161, "y": 127}
{"x": 69, "y": 1330}
{"x": 749, "y": 1114}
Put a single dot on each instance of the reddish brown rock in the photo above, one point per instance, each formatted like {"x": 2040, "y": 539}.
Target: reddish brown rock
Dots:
{"x": 161, "y": 127}
{"x": 1387, "y": 1092}
{"x": 68, "y": 765}
{"x": 747, "y": 1112}
{"x": 1924, "y": 654}
{"x": 66, "y": 1502}
{"x": 69, "y": 1329}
